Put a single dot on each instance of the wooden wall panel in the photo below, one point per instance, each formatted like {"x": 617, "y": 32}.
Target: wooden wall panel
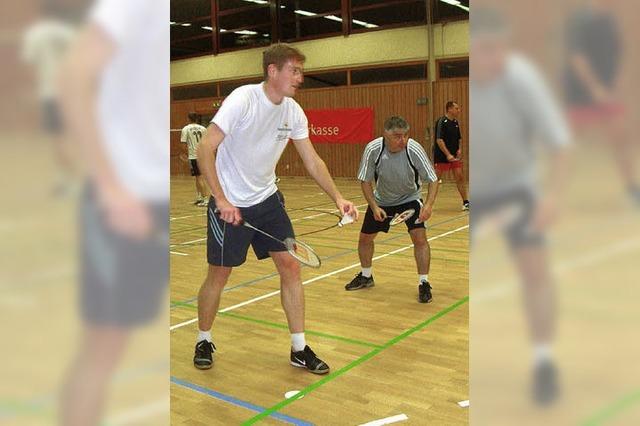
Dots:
{"x": 343, "y": 159}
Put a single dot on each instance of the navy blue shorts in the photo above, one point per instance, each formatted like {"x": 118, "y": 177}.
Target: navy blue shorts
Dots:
{"x": 227, "y": 245}
{"x": 371, "y": 226}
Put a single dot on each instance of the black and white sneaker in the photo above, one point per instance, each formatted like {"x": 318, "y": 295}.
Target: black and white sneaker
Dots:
{"x": 465, "y": 206}
{"x": 306, "y": 358}
{"x": 424, "y": 292}
{"x": 359, "y": 281}
{"x": 545, "y": 383}
{"x": 203, "y": 357}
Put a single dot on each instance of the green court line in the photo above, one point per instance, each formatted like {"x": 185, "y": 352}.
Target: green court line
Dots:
{"x": 355, "y": 363}
{"x": 612, "y": 410}
{"x": 286, "y": 327}
{"x": 11, "y": 409}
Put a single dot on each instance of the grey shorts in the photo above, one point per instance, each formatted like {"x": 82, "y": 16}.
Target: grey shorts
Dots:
{"x": 122, "y": 280}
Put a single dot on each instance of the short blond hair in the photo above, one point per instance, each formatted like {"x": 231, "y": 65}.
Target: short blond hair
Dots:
{"x": 279, "y": 54}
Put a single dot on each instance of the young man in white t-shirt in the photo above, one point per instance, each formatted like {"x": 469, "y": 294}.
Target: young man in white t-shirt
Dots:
{"x": 238, "y": 157}
{"x": 192, "y": 134}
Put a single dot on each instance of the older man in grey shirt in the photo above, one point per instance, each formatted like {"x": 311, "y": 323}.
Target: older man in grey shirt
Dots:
{"x": 397, "y": 165}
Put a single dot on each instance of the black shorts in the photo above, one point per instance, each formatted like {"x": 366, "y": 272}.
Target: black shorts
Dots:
{"x": 51, "y": 117}
{"x": 123, "y": 280}
{"x": 519, "y": 232}
{"x": 227, "y": 245}
{"x": 372, "y": 226}
{"x": 195, "y": 171}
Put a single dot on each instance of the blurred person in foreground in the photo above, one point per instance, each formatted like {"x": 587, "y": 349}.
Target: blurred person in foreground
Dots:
{"x": 116, "y": 106}
{"x": 44, "y": 45}
{"x": 512, "y": 109}
{"x": 591, "y": 74}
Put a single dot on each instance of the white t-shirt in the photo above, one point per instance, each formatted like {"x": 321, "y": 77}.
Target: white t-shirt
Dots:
{"x": 192, "y": 135}
{"x": 44, "y": 46}
{"x": 256, "y": 133}
{"x": 133, "y": 104}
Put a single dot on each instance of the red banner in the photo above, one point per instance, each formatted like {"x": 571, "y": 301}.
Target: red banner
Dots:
{"x": 345, "y": 125}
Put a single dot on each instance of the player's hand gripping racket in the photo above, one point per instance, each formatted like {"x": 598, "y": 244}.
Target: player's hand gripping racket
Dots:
{"x": 296, "y": 248}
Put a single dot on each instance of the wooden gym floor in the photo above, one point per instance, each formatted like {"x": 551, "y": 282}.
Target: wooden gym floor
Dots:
{"x": 389, "y": 355}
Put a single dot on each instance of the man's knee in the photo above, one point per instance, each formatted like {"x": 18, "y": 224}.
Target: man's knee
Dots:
{"x": 366, "y": 238}
{"x": 419, "y": 238}
{"x": 217, "y": 276}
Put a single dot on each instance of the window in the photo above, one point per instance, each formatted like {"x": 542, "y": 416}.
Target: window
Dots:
{"x": 185, "y": 48}
{"x": 206, "y": 27}
{"x": 388, "y": 74}
{"x": 371, "y": 14}
{"x": 244, "y": 23}
{"x": 326, "y": 79}
{"x": 301, "y": 19}
{"x": 186, "y": 10}
{"x": 191, "y": 30}
{"x": 453, "y": 69}
{"x": 450, "y": 10}
{"x": 194, "y": 92}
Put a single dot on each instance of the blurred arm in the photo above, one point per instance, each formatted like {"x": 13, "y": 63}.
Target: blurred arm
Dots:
{"x": 586, "y": 74}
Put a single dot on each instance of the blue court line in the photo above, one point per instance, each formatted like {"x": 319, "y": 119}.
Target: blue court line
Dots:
{"x": 238, "y": 402}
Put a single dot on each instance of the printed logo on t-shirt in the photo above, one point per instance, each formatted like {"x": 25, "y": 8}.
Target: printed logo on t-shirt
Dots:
{"x": 283, "y": 133}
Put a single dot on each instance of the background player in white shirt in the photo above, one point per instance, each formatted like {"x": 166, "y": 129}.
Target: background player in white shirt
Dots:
{"x": 238, "y": 157}
{"x": 44, "y": 47}
{"x": 192, "y": 134}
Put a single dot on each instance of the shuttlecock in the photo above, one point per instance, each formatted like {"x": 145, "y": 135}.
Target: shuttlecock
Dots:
{"x": 346, "y": 219}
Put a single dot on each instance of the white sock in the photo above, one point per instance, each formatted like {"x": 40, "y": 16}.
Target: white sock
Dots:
{"x": 541, "y": 353}
{"x": 297, "y": 341}
{"x": 366, "y": 272}
{"x": 424, "y": 277}
{"x": 203, "y": 335}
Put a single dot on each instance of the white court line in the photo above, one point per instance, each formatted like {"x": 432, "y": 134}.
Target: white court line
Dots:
{"x": 137, "y": 414}
{"x": 464, "y": 404}
{"x": 579, "y": 262}
{"x": 387, "y": 420}
{"x": 322, "y": 214}
{"x": 186, "y": 217}
{"x": 188, "y": 242}
{"x": 178, "y": 253}
{"x": 292, "y": 220}
{"x": 320, "y": 277}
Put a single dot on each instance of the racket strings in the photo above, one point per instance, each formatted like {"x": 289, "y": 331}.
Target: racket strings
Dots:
{"x": 401, "y": 217}
{"x": 302, "y": 252}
